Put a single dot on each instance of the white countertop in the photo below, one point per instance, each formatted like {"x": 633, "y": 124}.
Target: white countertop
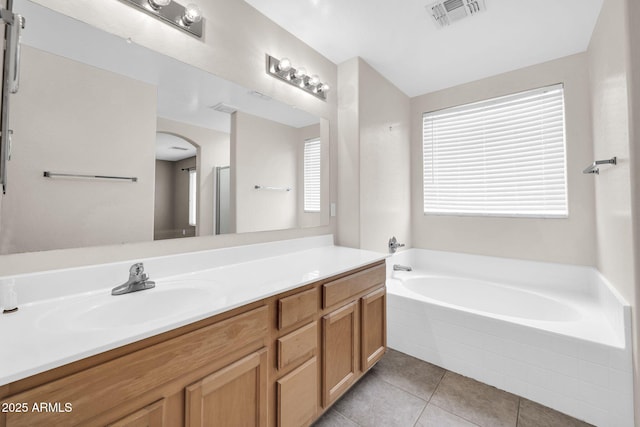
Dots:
{"x": 48, "y": 333}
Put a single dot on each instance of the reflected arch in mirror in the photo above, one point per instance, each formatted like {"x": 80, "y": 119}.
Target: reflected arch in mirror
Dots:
{"x": 212, "y": 150}
{"x": 175, "y": 195}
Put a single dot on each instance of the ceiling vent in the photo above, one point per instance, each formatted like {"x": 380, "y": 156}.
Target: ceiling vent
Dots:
{"x": 224, "y": 108}
{"x": 446, "y": 12}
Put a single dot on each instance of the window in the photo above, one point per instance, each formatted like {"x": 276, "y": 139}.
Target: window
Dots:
{"x": 502, "y": 157}
{"x": 193, "y": 194}
{"x": 312, "y": 175}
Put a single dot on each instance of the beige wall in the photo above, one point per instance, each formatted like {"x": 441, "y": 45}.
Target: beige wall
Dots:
{"x": 264, "y": 153}
{"x": 348, "y": 208}
{"x": 384, "y": 159}
{"x": 373, "y": 159}
{"x": 633, "y": 16}
{"x": 229, "y": 51}
{"x": 212, "y": 150}
{"x": 614, "y": 64}
{"x": 570, "y": 240}
{"x": 59, "y": 126}
{"x": 163, "y": 200}
{"x": 608, "y": 76}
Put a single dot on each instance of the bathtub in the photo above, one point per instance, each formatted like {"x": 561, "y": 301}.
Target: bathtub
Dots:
{"x": 555, "y": 334}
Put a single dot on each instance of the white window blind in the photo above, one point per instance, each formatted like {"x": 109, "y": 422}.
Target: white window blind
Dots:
{"x": 502, "y": 157}
{"x": 312, "y": 175}
{"x": 193, "y": 194}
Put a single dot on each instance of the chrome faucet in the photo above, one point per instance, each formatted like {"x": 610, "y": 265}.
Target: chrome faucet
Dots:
{"x": 398, "y": 267}
{"x": 394, "y": 245}
{"x": 138, "y": 281}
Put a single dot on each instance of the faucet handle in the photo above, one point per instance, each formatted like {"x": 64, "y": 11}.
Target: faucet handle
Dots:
{"x": 136, "y": 269}
{"x": 394, "y": 245}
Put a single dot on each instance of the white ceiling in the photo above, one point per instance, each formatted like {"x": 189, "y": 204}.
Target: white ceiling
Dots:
{"x": 400, "y": 40}
{"x": 173, "y": 148}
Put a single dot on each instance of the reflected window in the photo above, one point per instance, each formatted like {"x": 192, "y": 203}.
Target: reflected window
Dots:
{"x": 193, "y": 195}
{"x": 312, "y": 175}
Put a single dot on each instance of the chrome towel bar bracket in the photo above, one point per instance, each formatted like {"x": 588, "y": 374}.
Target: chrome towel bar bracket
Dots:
{"x": 593, "y": 168}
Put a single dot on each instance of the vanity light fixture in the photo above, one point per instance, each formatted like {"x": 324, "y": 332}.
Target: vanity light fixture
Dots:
{"x": 283, "y": 70}
{"x": 187, "y": 18}
{"x": 158, "y": 4}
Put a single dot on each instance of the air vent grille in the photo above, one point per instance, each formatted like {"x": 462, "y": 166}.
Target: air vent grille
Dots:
{"x": 224, "y": 108}
{"x": 446, "y": 12}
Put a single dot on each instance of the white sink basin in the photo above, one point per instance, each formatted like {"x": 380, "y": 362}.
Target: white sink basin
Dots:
{"x": 142, "y": 307}
{"x": 103, "y": 311}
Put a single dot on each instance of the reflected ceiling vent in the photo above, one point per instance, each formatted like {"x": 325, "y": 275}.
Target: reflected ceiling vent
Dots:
{"x": 260, "y": 95}
{"x": 179, "y": 148}
{"x": 224, "y": 108}
{"x": 444, "y": 13}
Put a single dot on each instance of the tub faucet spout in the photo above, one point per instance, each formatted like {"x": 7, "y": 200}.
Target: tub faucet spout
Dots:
{"x": 398, "y": 267}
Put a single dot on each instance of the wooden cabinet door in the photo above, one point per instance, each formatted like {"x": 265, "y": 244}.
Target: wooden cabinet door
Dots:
{"x": 235, "y": 396}
{"x": 298, "y": 395}
{"x": 339, "y": 361}
{"x": 150, "y": 416}
{"x": 374, "y": 328}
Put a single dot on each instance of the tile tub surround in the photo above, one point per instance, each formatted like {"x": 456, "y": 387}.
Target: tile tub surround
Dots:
{"x": 579, "y": 372}
{"x": 33, "y": 340}
{"x": 402, "y": 391}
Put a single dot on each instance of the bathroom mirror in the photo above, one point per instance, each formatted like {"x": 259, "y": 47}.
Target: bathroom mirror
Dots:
{"x": 115, "y": 143}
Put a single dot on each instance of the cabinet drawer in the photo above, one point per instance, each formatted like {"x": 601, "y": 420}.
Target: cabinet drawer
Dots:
{"x": 297, "y": 308}
{"x": 342, "y": 289}
{"x": 298, "y": 345}
{"x": 298, "y": 396}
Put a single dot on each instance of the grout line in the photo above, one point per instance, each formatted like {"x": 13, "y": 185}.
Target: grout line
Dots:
{"x": 420, "y": 416}
{"x": 345, "y": 417}
{"x": 402, "y": 389}
{"x": 456, "y": 415}
{"x": 518, "y": 411}
{"x": 438, "y": 385}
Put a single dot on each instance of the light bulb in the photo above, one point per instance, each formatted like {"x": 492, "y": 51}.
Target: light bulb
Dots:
{"x": 300, "y": 73}
{"x": 324, "y": 88}
{"x": 158, "y": 4}
{"x": 284, "y": 64}
{"x": 314, "y": 80}
{"x": 192, "y": 14}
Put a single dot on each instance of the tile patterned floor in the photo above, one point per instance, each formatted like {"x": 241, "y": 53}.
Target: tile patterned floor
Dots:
{"x": 402, "y": 391}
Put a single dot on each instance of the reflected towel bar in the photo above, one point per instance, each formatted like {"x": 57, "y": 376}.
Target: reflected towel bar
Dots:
{"x": 48, "y": 174}
{"x": 594, "y": 166}
{"x": 262, "y": 187}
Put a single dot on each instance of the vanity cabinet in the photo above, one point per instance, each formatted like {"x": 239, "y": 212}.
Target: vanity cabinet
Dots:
{"x": 373, "y": 327}
{"x": 233, "y": 396}
{"x": 277, "y": 362}
{"x": 124, "y": 387}
{"x": 354, "y": 334}
{"x": 297, "y": 377}
{"x": 297, "y": 394}
{"x": 339, "y": 346}
{"x": 150, "y": 416}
